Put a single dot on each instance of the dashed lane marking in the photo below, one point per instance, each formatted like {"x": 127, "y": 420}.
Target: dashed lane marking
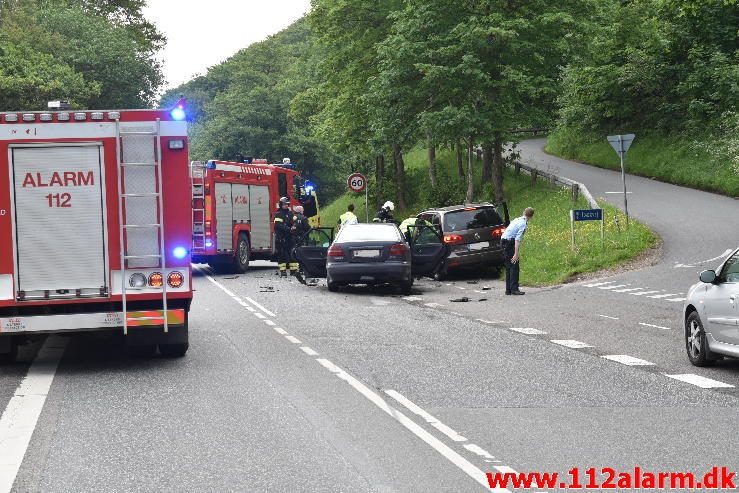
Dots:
{"x": 259, "y": 315}
{"x": 598, "y": 284}
{"x": 23, "y": 410}
{"x": 460, "y": 287}
{"x": 676, "y": 299}
{"x": 528, "y": 331}
{"x": 628, "y": 290}
{"x": 453, "y": 435}
{"x": 413, "y": 298}
{"x": 571, "y": 343}
{"x": 280, "y": 331}
{"x": 613, "y": 287}
{"x": 645, "y": 292}
{"x": 476, "y": 449}
{"x": 699, "y": 381}
{"x": 655, "y": 326}
{"x": 293, "y": 339}
{"x": 432, "y": 305}
{"x": 308, "y": 351}
{"x": 490, "y": 322}
{"x": 625, "y": 359}
{"x": 443, "y": 449}
{"x": 606, "y": 316}
{"x": 260, "y": 306}
{"x": 268, "y": 322}
{"x": 660, "y": 296}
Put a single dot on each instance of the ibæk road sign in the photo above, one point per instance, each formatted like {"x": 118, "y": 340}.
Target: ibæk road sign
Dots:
{"x": 356, "y": 182}
{"x": 587, "y": 215}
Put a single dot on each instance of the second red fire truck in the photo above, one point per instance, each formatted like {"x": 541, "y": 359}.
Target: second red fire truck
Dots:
{"x": 233, "y": 206}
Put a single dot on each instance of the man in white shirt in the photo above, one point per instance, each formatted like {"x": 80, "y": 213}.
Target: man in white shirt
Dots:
{"x": 510, "y": 242}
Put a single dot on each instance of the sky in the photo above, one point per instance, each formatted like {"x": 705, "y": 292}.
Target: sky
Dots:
{"x": 202, "y": 33}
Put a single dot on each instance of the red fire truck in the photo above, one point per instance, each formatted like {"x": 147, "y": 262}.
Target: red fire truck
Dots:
{"x": 95, "y": 226}
{"x": 233, "y": 206}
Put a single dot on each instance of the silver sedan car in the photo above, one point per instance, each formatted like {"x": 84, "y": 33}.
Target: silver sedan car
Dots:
{"x": 712, "y": 314}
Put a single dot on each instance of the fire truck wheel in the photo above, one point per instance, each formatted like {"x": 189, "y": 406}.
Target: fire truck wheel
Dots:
{"x": 9, "y": 355}
{"x": 241, "y": 259}
{"x": 142, "y": 351}
{"x": 174, "y": 350}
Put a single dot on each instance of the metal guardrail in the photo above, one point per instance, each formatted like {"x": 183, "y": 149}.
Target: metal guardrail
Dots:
{"x": 576, "y": 187}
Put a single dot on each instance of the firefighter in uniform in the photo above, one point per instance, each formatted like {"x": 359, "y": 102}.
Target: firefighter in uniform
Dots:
{"x": 284, "y": 236}
{"x": 385, "y": 214}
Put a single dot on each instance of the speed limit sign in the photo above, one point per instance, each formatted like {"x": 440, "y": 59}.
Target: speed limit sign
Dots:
{"x": 356, "y": 182}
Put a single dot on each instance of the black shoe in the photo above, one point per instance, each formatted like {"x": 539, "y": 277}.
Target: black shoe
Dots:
{"x": 508, "y": 293}
{"x": 518, "y": 293}
{"x": 283, "y": 274}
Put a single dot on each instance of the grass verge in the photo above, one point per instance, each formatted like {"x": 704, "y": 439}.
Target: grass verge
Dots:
{"x": 674, "y": 159}
{"x": 547, "y": 256}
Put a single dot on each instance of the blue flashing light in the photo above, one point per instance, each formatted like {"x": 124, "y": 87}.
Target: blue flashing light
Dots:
{"x": 208, "y": 243}
{"x": 309, "y": 187}
{"x": 211, "y": 164}
{"x": 178, "y": 113}
{"x": 180, "y": 252}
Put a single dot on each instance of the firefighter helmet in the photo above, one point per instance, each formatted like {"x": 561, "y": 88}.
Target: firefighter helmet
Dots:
{"x": 389, "y": 206}
{"x": 284, "y": 200}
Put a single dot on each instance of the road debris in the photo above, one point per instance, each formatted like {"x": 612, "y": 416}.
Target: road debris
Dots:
{"x": 463, "y": 299}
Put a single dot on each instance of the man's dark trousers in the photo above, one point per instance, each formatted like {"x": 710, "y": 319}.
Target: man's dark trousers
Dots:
{"x": 511, "y": 269}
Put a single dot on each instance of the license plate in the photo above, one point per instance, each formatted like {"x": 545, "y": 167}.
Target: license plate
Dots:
{"x": 367, "y": 253}
{"x": 479, "y": 246}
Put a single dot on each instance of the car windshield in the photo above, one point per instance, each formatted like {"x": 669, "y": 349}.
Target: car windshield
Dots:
{"x": 483, "y": 217}
{"x": 368, "y": 232}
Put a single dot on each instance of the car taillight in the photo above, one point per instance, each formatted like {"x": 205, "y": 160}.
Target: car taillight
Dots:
{"x": 175, "y": 279}
{"x": 399, "y": 250}
{"x": 453, "y": 239}
{"x": 336, "y": 252}
{"x": 156, "y": 280}
{"x": 498, "y": 232}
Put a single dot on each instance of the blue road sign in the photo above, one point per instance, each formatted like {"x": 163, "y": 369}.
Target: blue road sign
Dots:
{"x": 587, "y": 215}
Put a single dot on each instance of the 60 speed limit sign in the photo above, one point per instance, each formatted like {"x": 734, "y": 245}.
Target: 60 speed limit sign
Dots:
{"x": 356, "y": 182}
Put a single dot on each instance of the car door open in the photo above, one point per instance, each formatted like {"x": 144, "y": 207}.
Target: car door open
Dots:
{"x": 312, "y": 249}
{"x": 428, "y": 250}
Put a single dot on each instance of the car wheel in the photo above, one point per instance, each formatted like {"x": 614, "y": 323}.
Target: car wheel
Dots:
{"x": 332, "y": 286}
{"x": 241, "y": 259}
{"x": 695, "y": 341}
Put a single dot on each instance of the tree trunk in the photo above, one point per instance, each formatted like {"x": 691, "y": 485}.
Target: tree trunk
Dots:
{"x": 470, "y": 174}
{"x": 487, "y": 162}
{"x": 460, "y": 166}
{"x": 399, "y": 177}
{"x": 380, "y": 178}
{"x": 498, "y": 169}
{"x": 432, "y": 164}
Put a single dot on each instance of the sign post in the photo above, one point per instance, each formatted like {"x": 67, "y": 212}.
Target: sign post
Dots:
{"x": 621, "y": 144}
{"x": 577, "y": 215}
{"x": 358, "y": 183}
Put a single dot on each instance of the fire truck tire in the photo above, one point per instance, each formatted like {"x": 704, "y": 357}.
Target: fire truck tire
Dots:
{"x": 243, "y": 254}
{"x": 142, "y": 351}
{"x": 10, "y": 351}
{"x": 174, "y": 350}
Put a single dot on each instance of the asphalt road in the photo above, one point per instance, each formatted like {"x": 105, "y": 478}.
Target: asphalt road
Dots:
{"x": 292, "y": 388}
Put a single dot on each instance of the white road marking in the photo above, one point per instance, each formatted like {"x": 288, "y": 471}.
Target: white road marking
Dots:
{"x": 527, "y": 330}
{"x": 308, "y": 351}
{"x": 645, "y": 292}
{"x": 413, "y": 298}
{"x": 259, "y": 315}
{"x": 456, "y": 459}
{"x": 606, "y": 316}
{"x": 612, "y": 287}
{"x": 432, "y": 305}
{"x": 260, "y": 307}
{"x": 453, "y": 435}
{"x": 505, "y": 469}
{"x": 728, "y": 251}
{"x": 478, "y": 291}
{"x": 460, "y": 287}
{"x": 280, "y": 331}
{"x": 293, "y": 339}
{"x": 628, "y": 193}
{"x": 676, "y": 299}
{"x": 476, "y": 449}
{"x": 268, "y": 322}
{"x": 702, "y": 382}
{"x": 598, "y": 284}
{"x": 23, "y": 410}
{"x": 491, "y": 322}
{"x": 571, "y": 343}
{"x": 655, "y": 326}
{"x": 656, "y": 297}
{"x": 625, "y": 359}
{"x": 628, "y": 290}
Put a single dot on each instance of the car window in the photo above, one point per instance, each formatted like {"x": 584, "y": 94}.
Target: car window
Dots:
{"x": 317, "y": 238}
{"x": 369, "y": 232}
{"x": 730, "y": 271}
{"x": 484, "y": 217}
{"x": 425, "y": 235}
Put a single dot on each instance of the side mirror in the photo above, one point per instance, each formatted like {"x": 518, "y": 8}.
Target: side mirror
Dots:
{"x": 708, "y": 276}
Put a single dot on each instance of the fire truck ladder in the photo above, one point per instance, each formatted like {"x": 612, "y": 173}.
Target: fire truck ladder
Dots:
{"x": 123, "y": 199}
{"x": 197, "y": 181}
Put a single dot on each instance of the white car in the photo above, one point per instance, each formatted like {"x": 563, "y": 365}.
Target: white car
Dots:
{"x": 712, "y": 314}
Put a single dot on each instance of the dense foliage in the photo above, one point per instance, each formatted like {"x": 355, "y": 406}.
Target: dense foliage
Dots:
{"x": 97, "y": 54}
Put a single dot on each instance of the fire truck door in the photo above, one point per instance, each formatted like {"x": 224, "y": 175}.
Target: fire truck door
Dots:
{"x": 59, "y": 220}
{"x": 240, "y": 195}
{"x": 224, "y": 217}
{"x": 261, "y": 232}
